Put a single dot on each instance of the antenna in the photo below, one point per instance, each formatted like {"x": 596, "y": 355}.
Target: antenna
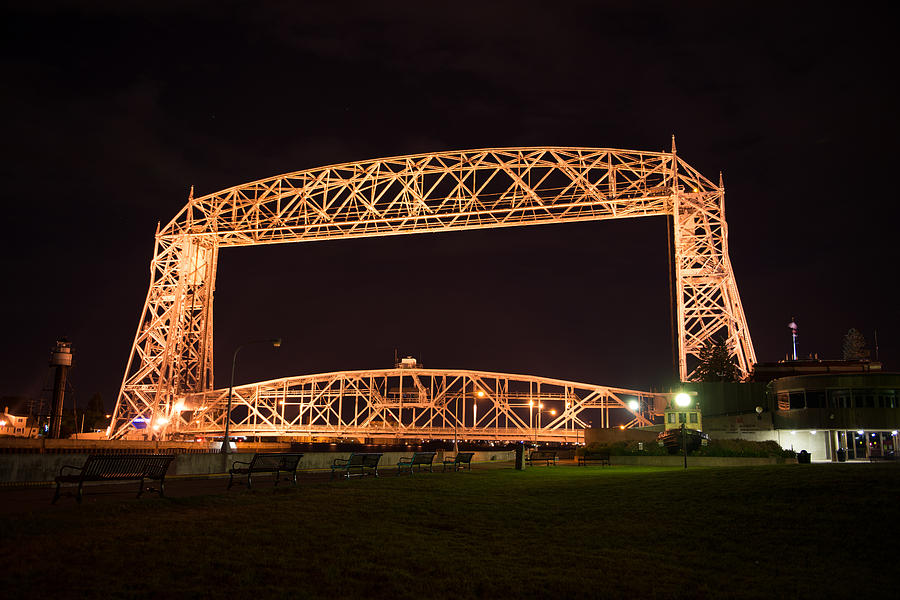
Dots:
{"x": 793, "y": 327}
{"x": 876, "y": 345}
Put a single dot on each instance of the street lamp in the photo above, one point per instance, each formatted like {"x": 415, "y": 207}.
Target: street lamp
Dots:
{"x": 226, "y": 444}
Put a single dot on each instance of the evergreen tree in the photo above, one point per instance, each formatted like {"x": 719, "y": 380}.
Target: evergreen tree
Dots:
{"x": 854, "y": 345}
{"x": 94, "y": 414}
{"x": 716, "y": 364}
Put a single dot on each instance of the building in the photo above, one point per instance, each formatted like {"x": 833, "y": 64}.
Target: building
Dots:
{"x": 832, "y": 409}
{"x": 13, "y": 426}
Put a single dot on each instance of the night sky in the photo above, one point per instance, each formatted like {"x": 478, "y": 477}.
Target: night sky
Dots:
{"x": 111, "y": 113}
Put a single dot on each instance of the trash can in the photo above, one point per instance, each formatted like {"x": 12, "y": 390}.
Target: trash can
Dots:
{"x": 842, "y": 455}
{"x": 803, "y": 457}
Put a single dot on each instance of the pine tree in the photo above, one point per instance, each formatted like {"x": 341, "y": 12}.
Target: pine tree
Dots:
{"x": 716, "y": 364}
{"x": 854, "y": 345}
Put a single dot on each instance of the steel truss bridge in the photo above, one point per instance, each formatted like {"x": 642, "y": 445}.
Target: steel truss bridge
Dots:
{"x": 417, "y": 403}
{"x": 172, "y": 354}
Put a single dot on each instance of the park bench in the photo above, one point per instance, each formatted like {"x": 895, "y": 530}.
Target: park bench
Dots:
{"x": 600, "y": 457}
{"x": 421, "y": 459}
{"x": 548, "y": 456}
{"x": 457, "y": 462}
{"x": 262, "y": 462}
{"x": 359, "y": 463}
{"x": 118, "y": 467}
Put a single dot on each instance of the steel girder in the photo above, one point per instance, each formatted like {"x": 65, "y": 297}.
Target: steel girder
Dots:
{"x": 414, "y": 403}
{"x": 447, "y": 191}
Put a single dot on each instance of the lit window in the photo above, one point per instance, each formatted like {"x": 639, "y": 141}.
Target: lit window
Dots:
{"x": 671, "y": 417}
{"x": 693, "y": 417}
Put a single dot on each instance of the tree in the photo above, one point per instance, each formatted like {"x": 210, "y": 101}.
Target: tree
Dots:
{"x": 716, "y": 363}
{"x": 854, "y": 345}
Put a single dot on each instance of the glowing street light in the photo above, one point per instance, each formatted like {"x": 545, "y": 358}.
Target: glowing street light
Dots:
{"x": 226, "y": 444}
{"x": 634, "y": 405}
{"x": 683, "y": 400}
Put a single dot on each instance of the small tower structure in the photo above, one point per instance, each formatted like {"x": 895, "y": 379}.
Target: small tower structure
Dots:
{"x": 61, "y": 361}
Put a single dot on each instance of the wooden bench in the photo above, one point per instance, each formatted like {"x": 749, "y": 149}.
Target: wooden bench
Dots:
{"x": 274, "y": 462}
{"x": 457, "y": 462}
{"x": 548, "y": 456}
{"x": 117, "y": 467}
{"x": 360, "y": 462}
{"x": 421, "y": 459}
{"x": 600, "y": 457}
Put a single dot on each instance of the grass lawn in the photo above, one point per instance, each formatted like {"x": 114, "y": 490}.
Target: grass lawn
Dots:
{"x": 562, "y": 532}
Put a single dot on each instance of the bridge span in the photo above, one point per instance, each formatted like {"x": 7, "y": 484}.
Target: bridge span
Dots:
{"x": 415, "y": 403}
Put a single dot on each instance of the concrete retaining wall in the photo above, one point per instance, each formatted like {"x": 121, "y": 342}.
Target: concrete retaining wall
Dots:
{"x": 36, "y": 468}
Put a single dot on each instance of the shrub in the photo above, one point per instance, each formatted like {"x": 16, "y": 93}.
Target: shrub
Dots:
{"x": 744, "y": 448}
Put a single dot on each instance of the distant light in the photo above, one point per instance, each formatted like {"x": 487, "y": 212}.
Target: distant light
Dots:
{"x": 531, "y": 403}
{"x": 541, "y": 405}
{"x": 553, "y": 411}
{"x": 156, "y": 427}
{"x": 162, "y": 421}
{"x": 812, "y": 431}
{"x": 634, "y": 404}
{"x": 2, "y": 423}
{"x": 480, "y": 394}
{"x": 179, "y": 406}
{"x": 621, "y": 427}
{"x": 860, "y": 432}
{"x": 894, "y": 432}
{"x": 682, "y": 399}
{"x": 793, "y": 433}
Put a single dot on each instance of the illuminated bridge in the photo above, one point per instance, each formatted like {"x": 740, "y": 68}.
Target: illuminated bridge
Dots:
{"x": 418, "y": 403}
{"x": 171, "y": 360}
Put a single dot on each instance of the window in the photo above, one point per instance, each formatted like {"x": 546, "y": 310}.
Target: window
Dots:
{"x": 671, "y": 417}
{"x": 681, "y": 417}
{"x": 693, "y": 417}
{"x": 797, "y": 400}
{"x": 784, "y": 401}
{"x": 815, "y": 398}
{"x": 839, "y": 398}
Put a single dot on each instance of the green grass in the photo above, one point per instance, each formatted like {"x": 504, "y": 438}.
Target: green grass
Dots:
{"x": 563, "y": 532}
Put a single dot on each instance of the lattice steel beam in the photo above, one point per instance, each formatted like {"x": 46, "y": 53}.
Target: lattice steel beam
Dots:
{"x": 447, "y": 191}
{"x": 415, "y": 403}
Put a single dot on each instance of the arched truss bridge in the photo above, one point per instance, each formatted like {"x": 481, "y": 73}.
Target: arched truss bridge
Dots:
{"x": 417, "y": 403}
{"x": 172, "y": 354}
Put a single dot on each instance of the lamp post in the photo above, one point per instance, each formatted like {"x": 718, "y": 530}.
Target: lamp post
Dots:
{"x": 683, "y": 401}
{"x": 531, "y": 419}
{"x": 226, "y": 444}
{"x": 478, "y": 394}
